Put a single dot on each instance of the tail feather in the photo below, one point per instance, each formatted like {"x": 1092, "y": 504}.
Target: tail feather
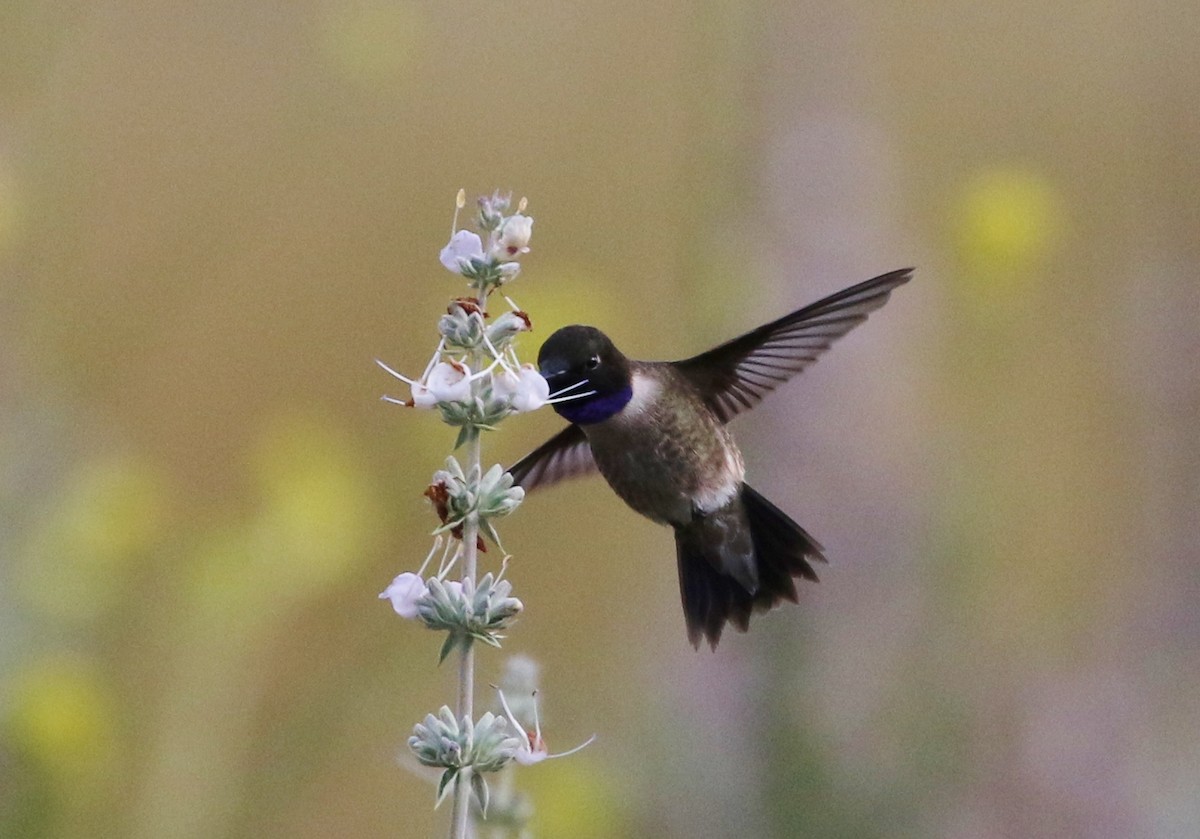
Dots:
{"x": 712, "y": 597}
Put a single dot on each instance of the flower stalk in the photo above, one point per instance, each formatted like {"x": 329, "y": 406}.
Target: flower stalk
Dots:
{"x": 470, "y": 560}
{"x": 475, "y": 380}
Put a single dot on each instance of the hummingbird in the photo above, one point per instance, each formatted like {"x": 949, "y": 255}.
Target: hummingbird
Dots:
{"x": 657, "y": 432}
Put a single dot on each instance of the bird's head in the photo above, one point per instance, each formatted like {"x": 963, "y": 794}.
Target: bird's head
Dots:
{"x": 589, "y": 378}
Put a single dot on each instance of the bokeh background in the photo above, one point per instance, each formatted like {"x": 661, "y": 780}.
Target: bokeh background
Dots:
{"x": 214, "y": 216}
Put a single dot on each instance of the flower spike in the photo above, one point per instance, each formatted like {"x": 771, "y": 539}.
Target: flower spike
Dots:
{"x": 475, "y": 379}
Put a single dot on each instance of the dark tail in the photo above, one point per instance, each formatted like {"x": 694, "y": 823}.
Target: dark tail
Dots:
{"x": 721, "y": 581}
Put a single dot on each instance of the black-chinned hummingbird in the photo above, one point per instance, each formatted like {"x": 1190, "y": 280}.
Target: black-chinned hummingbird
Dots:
{"x": 656, "y": 431}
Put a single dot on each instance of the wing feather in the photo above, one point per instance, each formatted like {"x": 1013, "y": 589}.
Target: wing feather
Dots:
{"x": 735, "y": 376}
{"x": 565, "y": 455}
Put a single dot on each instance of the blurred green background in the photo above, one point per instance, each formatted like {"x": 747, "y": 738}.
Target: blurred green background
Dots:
{"x": 214, "y": 216}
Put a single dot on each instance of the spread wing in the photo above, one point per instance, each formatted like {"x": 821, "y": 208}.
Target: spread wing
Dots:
{"x": 565, "y": 455}
{"x": 736, "y": 375}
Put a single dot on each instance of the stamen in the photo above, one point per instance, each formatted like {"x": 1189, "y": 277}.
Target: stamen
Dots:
{"x": 433, "y": 360}
{"x": 394, "y": 400}
{"x": 402, "y": 378}
{"x": 437, "y": 544}
{"x": 444, "y": 566}
{"x": 508, "y": 713}
{"x": 581, "y": 746}
{"x": 485, "y": 371}
{"x": 496, "y": 354}
{"x": 460, "y": 201}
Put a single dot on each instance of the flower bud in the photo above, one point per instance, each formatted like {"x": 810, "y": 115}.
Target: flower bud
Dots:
{"x": 469, "y": 612}
{"x": 514, "y": 236}
{"x": 492, "y": 209}
{"x": 508, "y": 271}
{"x": 506, "y": 327}
{"x": 496, "y": 494}
{"x": 461, "y": 329}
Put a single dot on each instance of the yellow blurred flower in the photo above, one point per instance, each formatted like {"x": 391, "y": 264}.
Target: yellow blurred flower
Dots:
{"x": 63, "y": 715}
{"x": 110, "y": 514}
{"x": 1005, "y": 220}
{"x": 577, "y": 800}
{"x": 317, "y": 504}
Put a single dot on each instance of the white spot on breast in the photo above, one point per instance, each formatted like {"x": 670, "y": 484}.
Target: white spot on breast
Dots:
{"x": 645, "y": 391}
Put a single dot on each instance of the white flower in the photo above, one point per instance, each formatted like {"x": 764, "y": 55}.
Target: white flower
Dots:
{"x": 533, "y": 747}
{"x": 505, "y": 383}
{"x": 461, "y": 249}
{"x": 449, "y": 382}
{"x": 533, "y": 751}
{"x": 421, "y": 397}
{"x": 404, "y": 592}
{"x": 525, "y": 389}
{"x": 514, "y": 236}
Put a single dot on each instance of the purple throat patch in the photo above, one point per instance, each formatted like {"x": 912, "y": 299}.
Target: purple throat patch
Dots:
{"x": 597, "y": 408}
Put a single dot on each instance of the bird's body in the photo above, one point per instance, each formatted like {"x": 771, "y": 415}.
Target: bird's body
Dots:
{"x": 664, "y": 453}
{"x": 657, "y": 433}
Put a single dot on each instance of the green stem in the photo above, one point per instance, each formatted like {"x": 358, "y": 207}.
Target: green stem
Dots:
{"x": 462, "y": 800}
{"x": 470, "y": 538}
{"x": 466, "y": 662}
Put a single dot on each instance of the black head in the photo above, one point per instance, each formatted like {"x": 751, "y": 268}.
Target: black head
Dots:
{"x": 579, "y": 359}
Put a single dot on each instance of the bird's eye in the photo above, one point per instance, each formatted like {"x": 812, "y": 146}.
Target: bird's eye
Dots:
{"x": 593, "y": 362}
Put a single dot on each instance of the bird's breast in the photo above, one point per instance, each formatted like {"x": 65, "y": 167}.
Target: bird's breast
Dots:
{"x": 665, "y": 454}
